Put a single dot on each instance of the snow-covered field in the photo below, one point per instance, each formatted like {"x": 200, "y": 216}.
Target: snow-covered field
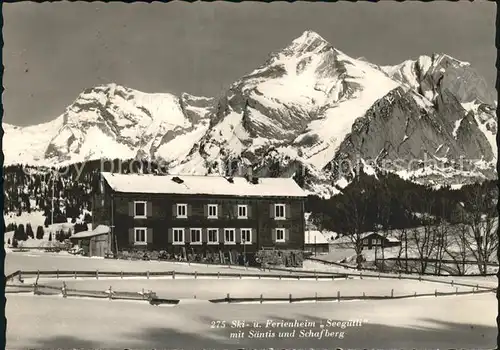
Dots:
{"x": 38, "y": 260}
{"x": 53, "y": 322}
{"x": 252, "y": 288}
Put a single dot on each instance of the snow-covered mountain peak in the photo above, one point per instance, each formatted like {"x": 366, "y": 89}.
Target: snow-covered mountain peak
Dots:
{"x": 308, "y": 42}
{"x": 309, "y": 105}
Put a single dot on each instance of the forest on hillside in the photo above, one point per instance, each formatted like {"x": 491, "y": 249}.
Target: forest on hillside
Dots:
{"x": 383, "y": 200}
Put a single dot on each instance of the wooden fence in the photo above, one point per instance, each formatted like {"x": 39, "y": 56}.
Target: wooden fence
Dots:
{"x": 172, "y": 274}
{"x": 152, "y": 298}
{"x": 405, "y": 272}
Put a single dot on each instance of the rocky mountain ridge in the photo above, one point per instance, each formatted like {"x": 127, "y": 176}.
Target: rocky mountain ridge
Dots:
{"x": 309, "y": 107}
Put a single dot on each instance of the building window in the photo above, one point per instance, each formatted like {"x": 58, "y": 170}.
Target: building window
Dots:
{"x": 212, "y": 211}
{"x": 279, "y": 211}
{"x": 246, "y": 235}
{"x": 196, "y": 236}
{"x": 182, "y": 210}
{"x": 178, "y": 236}
{"x": 229, "y": 236}
{"x": 213, "y": 235}
{"x": 140, "y": 209}
{"x": 140, "y": 235}
{"x": 242, "y": 211}
{"x": 280, "y": 235}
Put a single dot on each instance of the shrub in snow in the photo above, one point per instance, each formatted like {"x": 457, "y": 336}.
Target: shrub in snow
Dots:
{"x": 39, "y": 232}
{"x": 20, "y": 234}
{"x": 50, "y": 237}
{"x": 29, "y": 231}
{"x": 11, "y": 227}
{"x": 80, "y": 227}
{"x": 8, "y": 241}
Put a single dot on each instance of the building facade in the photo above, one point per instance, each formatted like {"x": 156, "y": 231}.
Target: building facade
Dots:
{"x": 200, "y": 214}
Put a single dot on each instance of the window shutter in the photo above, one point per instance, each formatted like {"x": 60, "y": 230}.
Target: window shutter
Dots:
{"x": 271, "y": 211}
{"x": 149, "y": 212}
{"x": 131, "y": 238}
{"x": 235, "y": 210}
{"x": 288, "y": 211}
{"x": 170, "y": 236}
{"x": 149, "y": 235}
{"x": 189, "y": 210}
{"x": 187, "y": 236}
{"x": 287, "y": 235}
{"x": 249, "y": 211}
{"x": 237, "y": 234}
{"x": 254, "y": 235}
{"x": 274, "y": 235}
{"x": 205, "y": 210}
{"x": 131, "y": 208}
{"x": 219, "y": 211}
{"x": 174, "y": 210}
{"x": 204, "y": 235}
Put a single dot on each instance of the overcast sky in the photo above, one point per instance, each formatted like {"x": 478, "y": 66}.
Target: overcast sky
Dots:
{"x": 53, "y": 51}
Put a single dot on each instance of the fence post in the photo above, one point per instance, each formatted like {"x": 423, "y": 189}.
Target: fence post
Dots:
{"x": 57, "y": 273}
{"x": 37, "y": 274}
{"x": 420, "y": 278}
{"x": 338, "y": 295}
{"x": 218, "y": 274}
{"x": 143, "y": 295}
{"x": 110, "y": 293}
{"x": 279, "y": 276}
{"x": 379, "y": 275}
{"x": 147, "y": 274}
{"x": 121, "y": 274}
{"x": 228, "y": 298}
{"x": 452, "y": 283}
{"x": 240, "y": 275}
{"x": 173, "y": 275}
{"x": 456, "y": 291}
{"x": 477, "y": 287}
{"x": 473, "y": 290}
{"x": 364, "y": 296}
{"x": 63, "y": 290}
{"x": 435, "y": 292}
{"x": 392, "y": 293}
{"x": 415, "y": 294}
{"x": 361, "y": 275}
{"x": 261, "y": 298}
{"x": 96, "y": 274}
{"x": 399, "y": 276}
{"x": 290, "y": 297}
{"x": 316, "y": 296}
{"x": 195, "y": 274}
{"x": 259, "y": 275}
{"x": 75, "y": 275}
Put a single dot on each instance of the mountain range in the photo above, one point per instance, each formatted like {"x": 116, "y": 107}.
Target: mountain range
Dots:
{"x": 308, "y": 108}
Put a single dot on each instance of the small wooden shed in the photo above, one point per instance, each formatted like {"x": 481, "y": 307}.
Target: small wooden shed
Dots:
{"x": 97, "y": 240}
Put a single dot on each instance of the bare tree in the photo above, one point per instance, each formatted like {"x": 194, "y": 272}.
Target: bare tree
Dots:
{"x": 424, "y": 241}
{"x": 482, "y": 221}
{"x": 458, "y": 248}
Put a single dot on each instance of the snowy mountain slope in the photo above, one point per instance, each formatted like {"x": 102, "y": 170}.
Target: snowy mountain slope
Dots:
{"x": 112, "y": 121}
{"x": 309, "y": 106}
{"x": 306, "y": 96}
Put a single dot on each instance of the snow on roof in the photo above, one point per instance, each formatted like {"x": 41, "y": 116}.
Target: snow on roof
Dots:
{"x": 203, "y": 185}
{"x": 99, "y": 230}
{"x": 347, "y": 239}
{"x": 314, "y": 237}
